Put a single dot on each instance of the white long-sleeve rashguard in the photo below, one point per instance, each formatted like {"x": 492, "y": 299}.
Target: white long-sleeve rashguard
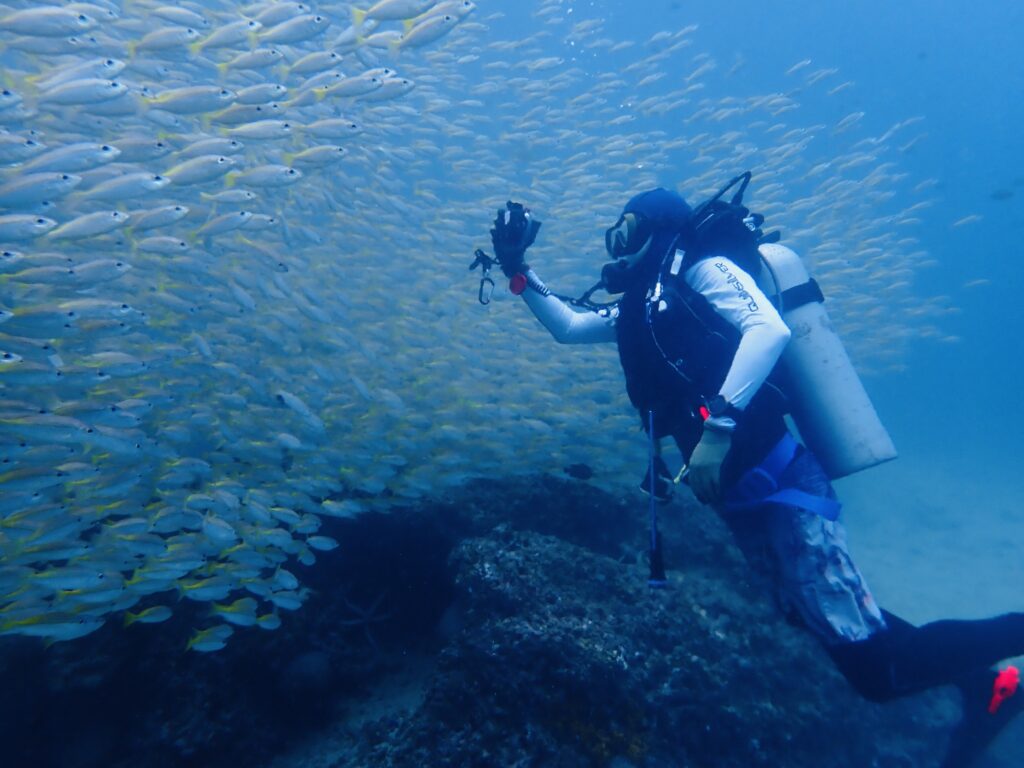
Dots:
{"x": 730, "y": 290}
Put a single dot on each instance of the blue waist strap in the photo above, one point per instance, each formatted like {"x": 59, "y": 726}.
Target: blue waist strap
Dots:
{"x": 760, "y": 485}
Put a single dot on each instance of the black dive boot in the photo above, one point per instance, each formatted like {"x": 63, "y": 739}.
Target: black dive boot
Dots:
{"x": 990, "y": 701}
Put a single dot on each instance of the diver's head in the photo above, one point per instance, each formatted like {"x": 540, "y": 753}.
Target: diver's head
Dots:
{"x": 648, "y": 227}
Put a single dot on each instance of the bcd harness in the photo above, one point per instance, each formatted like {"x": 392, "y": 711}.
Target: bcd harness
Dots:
{"x": 763, "y": 483}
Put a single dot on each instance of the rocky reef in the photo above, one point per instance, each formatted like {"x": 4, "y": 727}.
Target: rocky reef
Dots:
{"x": 510, "y": 625}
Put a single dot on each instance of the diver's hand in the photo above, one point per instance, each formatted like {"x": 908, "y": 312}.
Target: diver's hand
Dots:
{"x": 705, "y": 476}
{"x": 514, "y": 231}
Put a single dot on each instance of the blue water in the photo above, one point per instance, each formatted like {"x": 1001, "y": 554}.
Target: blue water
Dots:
{"x": 936, "y": 532}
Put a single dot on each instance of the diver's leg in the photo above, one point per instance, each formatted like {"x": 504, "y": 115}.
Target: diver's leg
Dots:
{"x": 880, "y": 654}
{"x": 961, "y": 652}
{"x": 903, "y": 659}
{"x": 942, "y": 652}
{"x": 821, "y": 580}
{"x": 804, "y": 558}
{"x": 816, "y": 577}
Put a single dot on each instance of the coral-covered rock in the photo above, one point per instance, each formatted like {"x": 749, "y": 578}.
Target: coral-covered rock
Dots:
{"x": 568, "y": 658}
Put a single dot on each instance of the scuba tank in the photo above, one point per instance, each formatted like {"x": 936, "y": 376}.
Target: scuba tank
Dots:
{"x": 829, "y": 403}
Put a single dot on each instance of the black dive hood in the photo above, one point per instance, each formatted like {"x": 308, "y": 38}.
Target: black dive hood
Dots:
{"x": 660, "y": 216}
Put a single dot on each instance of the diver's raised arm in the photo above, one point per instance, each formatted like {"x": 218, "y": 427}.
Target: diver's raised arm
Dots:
{"x": 564, "y": 324}
{"x": 514, "y": 231}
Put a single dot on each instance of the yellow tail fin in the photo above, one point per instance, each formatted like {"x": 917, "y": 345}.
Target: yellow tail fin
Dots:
{"x": 357, "y": 17}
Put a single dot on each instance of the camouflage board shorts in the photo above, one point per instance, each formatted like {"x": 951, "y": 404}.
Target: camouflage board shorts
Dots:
{"x": 804, "y": 556}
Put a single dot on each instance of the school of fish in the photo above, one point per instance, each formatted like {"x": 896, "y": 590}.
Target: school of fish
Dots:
{"x": 233, "y": 288}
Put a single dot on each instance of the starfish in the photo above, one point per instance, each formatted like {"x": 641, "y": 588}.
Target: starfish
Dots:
{"x": 366, "y": 616}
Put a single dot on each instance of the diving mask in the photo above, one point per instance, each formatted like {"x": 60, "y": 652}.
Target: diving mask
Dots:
{"x": 629, "y": 238}
{"x": 627, "y": 242}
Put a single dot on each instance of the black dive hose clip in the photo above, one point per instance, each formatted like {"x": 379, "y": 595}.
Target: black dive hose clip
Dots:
{"x": 485, "y": 262}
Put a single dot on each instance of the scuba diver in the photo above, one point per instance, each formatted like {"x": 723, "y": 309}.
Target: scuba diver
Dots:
{"x": 714, "y": 322}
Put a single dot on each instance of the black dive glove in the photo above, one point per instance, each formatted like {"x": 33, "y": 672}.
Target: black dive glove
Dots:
{"x": 514, "y": 231}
